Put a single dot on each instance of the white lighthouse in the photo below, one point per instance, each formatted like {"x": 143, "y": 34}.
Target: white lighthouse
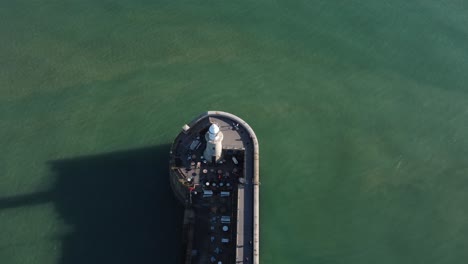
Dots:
{"x": 214, "y": 147}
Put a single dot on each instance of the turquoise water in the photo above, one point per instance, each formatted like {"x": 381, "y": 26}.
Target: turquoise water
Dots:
{"x": 360, "y": 108}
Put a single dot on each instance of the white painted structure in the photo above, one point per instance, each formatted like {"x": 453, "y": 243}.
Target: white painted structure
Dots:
{"x": 214, "y": 146}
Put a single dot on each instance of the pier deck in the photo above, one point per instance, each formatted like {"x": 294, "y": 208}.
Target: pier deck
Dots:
{"x": 225, "y": 190}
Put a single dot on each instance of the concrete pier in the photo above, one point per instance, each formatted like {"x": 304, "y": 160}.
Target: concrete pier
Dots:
{"x": 255, "y": 178}
{"x": 186, "y": 152}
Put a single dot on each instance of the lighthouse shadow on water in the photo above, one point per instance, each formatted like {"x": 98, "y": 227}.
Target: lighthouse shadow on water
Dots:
{"x": 119, "y": 207}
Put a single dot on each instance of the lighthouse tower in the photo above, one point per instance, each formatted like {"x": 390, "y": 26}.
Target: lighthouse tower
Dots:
{"x": 214, "y": 146}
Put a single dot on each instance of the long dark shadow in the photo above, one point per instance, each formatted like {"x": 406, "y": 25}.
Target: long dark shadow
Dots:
{"x": 25, "y": 200}
{"x": 119, "y": 206}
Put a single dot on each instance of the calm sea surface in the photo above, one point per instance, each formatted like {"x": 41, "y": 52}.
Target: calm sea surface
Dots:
{"x": 361, "y": 109}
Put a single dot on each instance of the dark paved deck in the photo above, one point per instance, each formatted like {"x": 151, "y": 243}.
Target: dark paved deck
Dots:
{"x": 236, "y": 138}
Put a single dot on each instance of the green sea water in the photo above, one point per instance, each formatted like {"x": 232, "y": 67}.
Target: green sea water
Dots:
{"x": 360, "y": 107}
